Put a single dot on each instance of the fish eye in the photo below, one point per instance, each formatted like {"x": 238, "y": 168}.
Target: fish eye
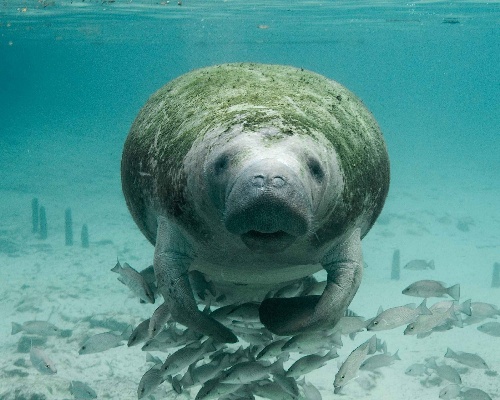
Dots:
{"x": 315, "y": 169}
{"x": 375, "y": 322}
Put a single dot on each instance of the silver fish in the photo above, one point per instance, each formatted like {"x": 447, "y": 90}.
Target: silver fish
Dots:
{"x": 464, "y": 308}
{"x": 349, "y": 369}
{"x": 103, "y": 341}
{"x": 378, "y": 361}
{"x": 444, "y": 371}
{"x": 450, "y": 392}
{"x": 81, "y": 391}
{"x": 474, "y": 394}
{"x": 490, "y": 328}
{"x": 150, "y": 381}
{"x": 469, "y": 359}
{"x": 203, "y": 373}
{"x": 270, "y": 390}
{"x": 40, "y": 328}
{"x": 134, "y": 281}
{"x": 311, "y": 392}
{"x": 246, "y": 312}
{"x": 186, "y": 356}
{"x": 214, "y": 389}
{"x": 416, "y": 369}
{"x": 273, "y": 349}
{"x": 250, "y": 371}
{"x": 430, "y": 288}
{"x": 158, "y": 320}
{"x": 484, "y": 309}
{"x": 420, "y": 265}
{"x": 425, "y": 323}
{"x": 309, "y": 363}
{"x": 139, "y": 334}
{"x": 397, "y": 316}
{"x": 42, "y": 362}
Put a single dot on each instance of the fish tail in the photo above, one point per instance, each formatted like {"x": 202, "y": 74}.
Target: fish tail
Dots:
{"x": 16, "y": 328}
{"x": 395, "y": 356}
{"x": 454, "y": 291}
{"x": 431, "y": 264}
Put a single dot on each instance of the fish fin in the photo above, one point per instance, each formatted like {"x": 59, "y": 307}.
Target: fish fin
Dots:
{"x": 454, "y": 291}
{"x": 117, "y": 267}
{"x": 422, "y": 308}
{"x": 465, "y": 307}
{"x": 16, "y": 328}
{"x": 127, "y": 332}
{"x": 450, "y": 353}
{"x": 380, "y": 310}
{"x": 395, "y": 356}
{"x": 344, "y": 266}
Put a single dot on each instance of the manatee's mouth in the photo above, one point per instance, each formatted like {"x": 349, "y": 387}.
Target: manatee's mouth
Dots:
{"x": 267, "y": 242}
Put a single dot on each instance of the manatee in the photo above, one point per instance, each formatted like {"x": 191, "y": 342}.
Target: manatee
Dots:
{"x": 255, "y": 176}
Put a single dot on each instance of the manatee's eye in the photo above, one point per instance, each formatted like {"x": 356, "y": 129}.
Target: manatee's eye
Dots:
{"x": 221, "y": 164}
{"x": 315, "y": 169}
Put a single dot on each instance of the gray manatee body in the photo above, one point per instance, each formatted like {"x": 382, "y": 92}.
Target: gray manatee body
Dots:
{"x": 256, "y": 175}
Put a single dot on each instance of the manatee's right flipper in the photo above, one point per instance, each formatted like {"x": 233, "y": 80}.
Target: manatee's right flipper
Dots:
{"x": 344, "y": 266}
{"x": 171, "y": 262}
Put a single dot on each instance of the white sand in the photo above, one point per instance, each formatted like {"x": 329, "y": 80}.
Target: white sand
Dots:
{"x": 46, "y": 279}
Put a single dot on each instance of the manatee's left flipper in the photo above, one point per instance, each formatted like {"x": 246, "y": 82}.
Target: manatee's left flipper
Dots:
{"x": 344, "y": 266}
{"x": 172, "y": 259}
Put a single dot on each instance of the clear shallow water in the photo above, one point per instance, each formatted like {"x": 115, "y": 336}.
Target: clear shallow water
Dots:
{"x": 73, "y": 75}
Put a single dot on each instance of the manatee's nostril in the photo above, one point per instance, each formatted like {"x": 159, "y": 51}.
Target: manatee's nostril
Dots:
{"x": 258, "y": 180}
{"x": 277, "y": 181}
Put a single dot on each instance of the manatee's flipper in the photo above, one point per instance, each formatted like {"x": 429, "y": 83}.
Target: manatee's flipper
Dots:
{"x": 344, "y": 266}
{"x": 171, "y": 262}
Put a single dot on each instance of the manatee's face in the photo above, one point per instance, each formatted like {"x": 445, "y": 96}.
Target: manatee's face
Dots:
{"x": 266, "y": 188}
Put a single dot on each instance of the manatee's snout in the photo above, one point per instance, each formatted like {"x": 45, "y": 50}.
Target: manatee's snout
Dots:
{"x": 268, "y": 206}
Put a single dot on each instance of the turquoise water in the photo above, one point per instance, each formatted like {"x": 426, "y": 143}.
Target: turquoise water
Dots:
{"x": 73, "y": 76}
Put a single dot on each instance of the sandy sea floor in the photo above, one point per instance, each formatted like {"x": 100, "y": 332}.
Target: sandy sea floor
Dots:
{"x": 433, "y": 216}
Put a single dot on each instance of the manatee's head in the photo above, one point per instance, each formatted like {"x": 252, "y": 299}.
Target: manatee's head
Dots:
{"x": 266, "y": 188}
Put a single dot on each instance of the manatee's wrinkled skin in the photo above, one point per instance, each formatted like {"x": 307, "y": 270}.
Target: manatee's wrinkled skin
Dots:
{"x": 256, "y": 175}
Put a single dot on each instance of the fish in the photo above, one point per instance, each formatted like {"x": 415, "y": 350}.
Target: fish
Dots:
{"x": 490, "y": 328}
{"x": 81, "y": 391}
{"x": 484, "y": 309}
{"x": 378, "y": 361}
{"x": 469, "y": 359}
{"x": 450, "y": 392}
{"x": 198, "y": 375}
{"x": 153, "y": 378}
{"x": 474, "y": 394}
{"x": 309, "y": 363}
{"x": 312, "y": 342}
{"x": 464, "y": 308}
{"x": 103, "y": 341}
{"x": 246, "y": 312}
{"x": 215, "y": 389}
{"x": 158, "y": 320}
{"x": 134, "y": 281}
{"x": 421, "y": 265}
{"x": 444, "y": 371}
{"x": 397, "y": 316}
{"x": 139, "y": 334}
{"x": 273, "y": 349}
{"x": 271, "y": 390}
{"x": 310, "y": 391}
{"x": 42, "y": 362}
{"x": 40, "y": 328}
{"x": 417, "y": 369}
{"x": 186, "y": 356}
{"x": 201, "y": 286}
{"x": 348, "y": 370}
{"x": 250, "y": 371}
{"x": 429, "y": 288}
{"x": 425, "y": 323}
